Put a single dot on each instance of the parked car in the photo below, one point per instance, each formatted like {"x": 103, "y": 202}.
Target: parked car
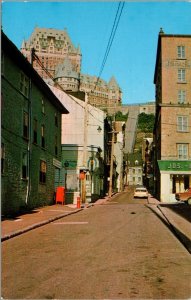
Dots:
{"x": 141, "y": 192}
{"x": 184, "y": 196}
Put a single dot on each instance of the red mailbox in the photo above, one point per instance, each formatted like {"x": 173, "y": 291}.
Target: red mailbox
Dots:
{"x": 60, "y": 194}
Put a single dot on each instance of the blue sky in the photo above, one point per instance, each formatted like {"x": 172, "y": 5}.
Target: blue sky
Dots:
{"x": 133, "y": 53}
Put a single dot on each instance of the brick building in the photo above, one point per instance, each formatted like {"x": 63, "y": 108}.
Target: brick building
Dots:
{"x": 62, "y": 59}
{"x": 172, "y": 132}
{"x": 30, "y": 136}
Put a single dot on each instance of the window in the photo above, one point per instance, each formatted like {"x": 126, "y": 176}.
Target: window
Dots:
{"x": 24, "y": 166}
{"x": 182, "y": 123}
{"x": 181, "y": 96}
{"x": 42, "y": 178}
{"x": 2, "y": 158}
{"x": 25, "y": 125}
{"x": 182, "y": 150}
{"x": 35, "y": 127}
{"x": 181, "y": 75}
{"x": 56, "y": 119}
{"x": 24, "y": 84}
{"x": 42, "y": 136}
{"x": 181, "y": 51}
{"x": 56, "y": 145}
{"x": 43, "y": 106}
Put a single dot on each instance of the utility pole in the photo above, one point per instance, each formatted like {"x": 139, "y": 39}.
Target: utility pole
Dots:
{"x": 85, "y": 148}
{"x": 111, "y": 161}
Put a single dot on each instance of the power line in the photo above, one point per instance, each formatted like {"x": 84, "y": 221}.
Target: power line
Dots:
{"x": 35, "y": 57}
{"x": 111, "y": 38}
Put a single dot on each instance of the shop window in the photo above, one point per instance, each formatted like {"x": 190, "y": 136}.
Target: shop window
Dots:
{"x": 182, "y": 150}
{"x": 180, "y": 183}
{"x": 25, "y": 125}
{"x": 24, "y": 166}
{"x": 42, "y": 178}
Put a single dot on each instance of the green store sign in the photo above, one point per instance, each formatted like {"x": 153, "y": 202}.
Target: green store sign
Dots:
{"x": 71, "y": 164}
{"x": 174, "y": 165}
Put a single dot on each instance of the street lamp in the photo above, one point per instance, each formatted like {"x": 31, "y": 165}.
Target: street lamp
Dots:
{"x": 99, "y": 129}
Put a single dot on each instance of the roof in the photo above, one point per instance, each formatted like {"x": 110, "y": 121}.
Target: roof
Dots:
{"x": 15, "y": 55}
{"x": 113, "y": 83}
{"x": 66, "y": 70}
{"x": 44, "y": 33}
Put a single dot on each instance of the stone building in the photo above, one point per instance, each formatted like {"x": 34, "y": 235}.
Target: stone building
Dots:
{"x": 134, "y": 169}
{"x": 62, "y": 60}
{"x": 30, "y": 134}
{"x": 52, "y": 46}
{"x": 172, "y": 132}
{"x": 101, "y": 94}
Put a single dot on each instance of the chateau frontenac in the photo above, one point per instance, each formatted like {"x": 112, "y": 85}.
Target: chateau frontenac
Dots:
{"x": 63, "y": 61}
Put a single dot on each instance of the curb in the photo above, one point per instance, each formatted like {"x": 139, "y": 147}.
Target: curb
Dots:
{"x": 36, "y": 225}
{"x": 183, "y": 239}
{"x": 42, "y": 223}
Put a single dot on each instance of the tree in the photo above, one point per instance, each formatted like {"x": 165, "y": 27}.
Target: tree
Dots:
{"x": 146, "y": 122}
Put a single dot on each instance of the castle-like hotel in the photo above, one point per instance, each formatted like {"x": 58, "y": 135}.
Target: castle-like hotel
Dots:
{"x": 63, "y": 62}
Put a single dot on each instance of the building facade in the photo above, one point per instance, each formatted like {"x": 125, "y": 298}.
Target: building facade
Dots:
{"x": 30, "y": 136}
{"x": 147, "y": 156}
{"x": 52, "y": 46}
{"x": 119, "y": 155}
{"x": 62, "y": 60}
{"x": 82, "y": 148}
{"x": 172, "y": 132}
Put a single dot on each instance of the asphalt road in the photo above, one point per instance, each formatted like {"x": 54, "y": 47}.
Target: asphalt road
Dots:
{"x": 119, "y": 250}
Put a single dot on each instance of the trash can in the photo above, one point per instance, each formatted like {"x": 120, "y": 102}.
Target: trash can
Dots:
{"x": 60, "y": 194}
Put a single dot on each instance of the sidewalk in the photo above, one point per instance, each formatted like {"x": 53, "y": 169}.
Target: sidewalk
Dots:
{"x": 11, "y": 227}
{"x": 177, "y": 216}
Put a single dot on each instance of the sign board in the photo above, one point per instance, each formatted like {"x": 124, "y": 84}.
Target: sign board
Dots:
{"x": 57, "y": 163}
{"x": 174, "y": 165}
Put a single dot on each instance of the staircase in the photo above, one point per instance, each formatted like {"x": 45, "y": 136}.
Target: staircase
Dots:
{"x": 130, "y": 130}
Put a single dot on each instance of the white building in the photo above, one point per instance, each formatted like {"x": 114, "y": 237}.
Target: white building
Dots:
{"x": 82, "y": 148}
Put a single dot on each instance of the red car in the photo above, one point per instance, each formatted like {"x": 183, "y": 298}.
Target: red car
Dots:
{"x": 184, "y": 196}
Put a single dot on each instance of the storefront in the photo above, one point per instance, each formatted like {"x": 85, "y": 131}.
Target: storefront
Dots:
{"x": 175, "y": 176}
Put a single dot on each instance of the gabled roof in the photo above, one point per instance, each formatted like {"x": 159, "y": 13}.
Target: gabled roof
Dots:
{"x": 18, "y": 58}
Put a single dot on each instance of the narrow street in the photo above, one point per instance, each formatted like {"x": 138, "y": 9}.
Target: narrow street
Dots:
{"x": 119, "y": 249}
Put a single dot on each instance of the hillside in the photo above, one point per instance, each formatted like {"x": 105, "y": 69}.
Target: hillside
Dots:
{"x": 144, "y": 130}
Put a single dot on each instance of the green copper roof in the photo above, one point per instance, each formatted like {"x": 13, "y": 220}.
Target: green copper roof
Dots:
{"x": 66, "y": 70}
